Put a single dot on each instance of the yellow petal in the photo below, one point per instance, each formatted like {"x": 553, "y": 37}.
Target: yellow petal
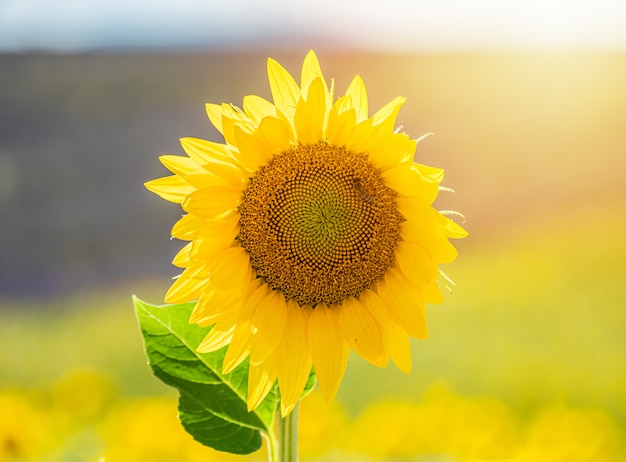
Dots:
{"x": 397, "y": 341}
{"x": 182, "y": 166}
{"x": 268, "y": 324}
{"x": 187, "y": 227}
{"x": 240, "y": 343}
{"x": 433, "y": 174}
{"x": 183, "y": 257}
{"x": 261, "y": 378}
{"x": 258, "y": 291}
{"x": 188, "y": 285}
{"x": 193, "y": 227}
{"x": 400, "y": 348}
{"x": 310, "y": 114}
{"x": 239, "y": 347}
{"x": 288, "y": 121}
{"x": 217, "y": 338}
{"x": 424, "y": 216}
{"x": 207, "y": 249}
{"x": 341, "y": 126}
{"x": 206, "y": 152}
{"x": 329, "y": 350}
{"x": 311, "y": 70}
{"x": 344, "y": 104}
{"x": 453, "y": 229}
{"x": 213, "y": 201}
{"x": 239, "y": 116}
{"x": 226, "y": 174}
{"x": 415, "y": 263}
{"x": 293, "y": 359}
{"x": 422, "y": 227}
{"x": 277, "y": 133}
{"x": 390, "y": 150}
{"x": 361, "y": 331}
{"x": 228, "y": 125}
{"x": 171, "y": 188}
{"x": 432, "y": 293}
{"x": 188, "y": 170}
{"x": 284, "y": 88}
{"x": 215, "y": 305}
{"x": 406, "y": 181}
{"x": 214, "y": 112}
{"x": 254, "y": 150}
{"x": 404, "y": 303}
{"x": 233, "y": 117}
{"x": 231, "y": 269}
{"x": 363, "y": 136}
{"x": 258, "y": 108}
{"x": 387, "y": 114}
{"x": 201, "y": 305}
{"x": 357, "y": 91}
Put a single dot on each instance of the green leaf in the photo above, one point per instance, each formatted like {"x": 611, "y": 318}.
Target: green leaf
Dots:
{"x": 212, "y": 405}
{"x": 310, "y": 384}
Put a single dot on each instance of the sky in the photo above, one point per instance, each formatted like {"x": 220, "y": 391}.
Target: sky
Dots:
{"x": 376, "y": 25}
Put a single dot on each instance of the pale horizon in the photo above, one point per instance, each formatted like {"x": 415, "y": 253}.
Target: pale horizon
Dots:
{"x": 395, "y": 26}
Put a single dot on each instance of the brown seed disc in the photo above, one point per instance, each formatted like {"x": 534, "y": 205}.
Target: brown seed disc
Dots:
{"x": 319, "y": 224}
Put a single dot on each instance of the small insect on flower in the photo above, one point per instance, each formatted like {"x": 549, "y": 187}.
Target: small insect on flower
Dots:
{"x": 311, "y": 234}
{"x": 358, "y": 187}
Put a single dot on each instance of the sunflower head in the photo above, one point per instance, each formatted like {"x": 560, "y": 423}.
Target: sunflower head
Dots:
{"x": 311, "y": 232}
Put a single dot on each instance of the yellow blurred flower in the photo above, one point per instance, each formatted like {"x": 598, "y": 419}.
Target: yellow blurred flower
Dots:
{"x": 82, "y": 395}
{"x": 442, "y": 424}
{"x": 560, "y": 434}
{"x": 27, "y": 429}
{"x": 322, "y": 428}
{"x": 312, "y": 233}
{"x": 148, "y": 429}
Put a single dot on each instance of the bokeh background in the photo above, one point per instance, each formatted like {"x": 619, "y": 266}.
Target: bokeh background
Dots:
{"x": 527, "y": 101}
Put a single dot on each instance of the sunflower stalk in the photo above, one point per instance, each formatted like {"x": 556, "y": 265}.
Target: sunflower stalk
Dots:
{"x": 288, "y": 436}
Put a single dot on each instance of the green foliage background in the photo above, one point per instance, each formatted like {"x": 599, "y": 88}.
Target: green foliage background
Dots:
{"x": 531, "y": 325}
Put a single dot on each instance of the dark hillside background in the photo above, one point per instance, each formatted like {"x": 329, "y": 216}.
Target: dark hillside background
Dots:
{"x": 520, "y": 136}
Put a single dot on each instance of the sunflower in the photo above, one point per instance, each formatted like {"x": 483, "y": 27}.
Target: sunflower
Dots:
{"x": 311, "y": 233}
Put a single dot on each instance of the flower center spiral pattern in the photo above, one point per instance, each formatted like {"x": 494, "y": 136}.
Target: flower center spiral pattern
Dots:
{"x": 319, "y": 224}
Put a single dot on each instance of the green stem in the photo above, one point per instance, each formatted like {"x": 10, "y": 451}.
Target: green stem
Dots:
{"x": 272, "y": 450}
{"x": 288, "y": 437}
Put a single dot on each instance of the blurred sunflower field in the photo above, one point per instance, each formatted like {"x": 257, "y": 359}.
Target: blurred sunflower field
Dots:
{"x": 525, "y": 360}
